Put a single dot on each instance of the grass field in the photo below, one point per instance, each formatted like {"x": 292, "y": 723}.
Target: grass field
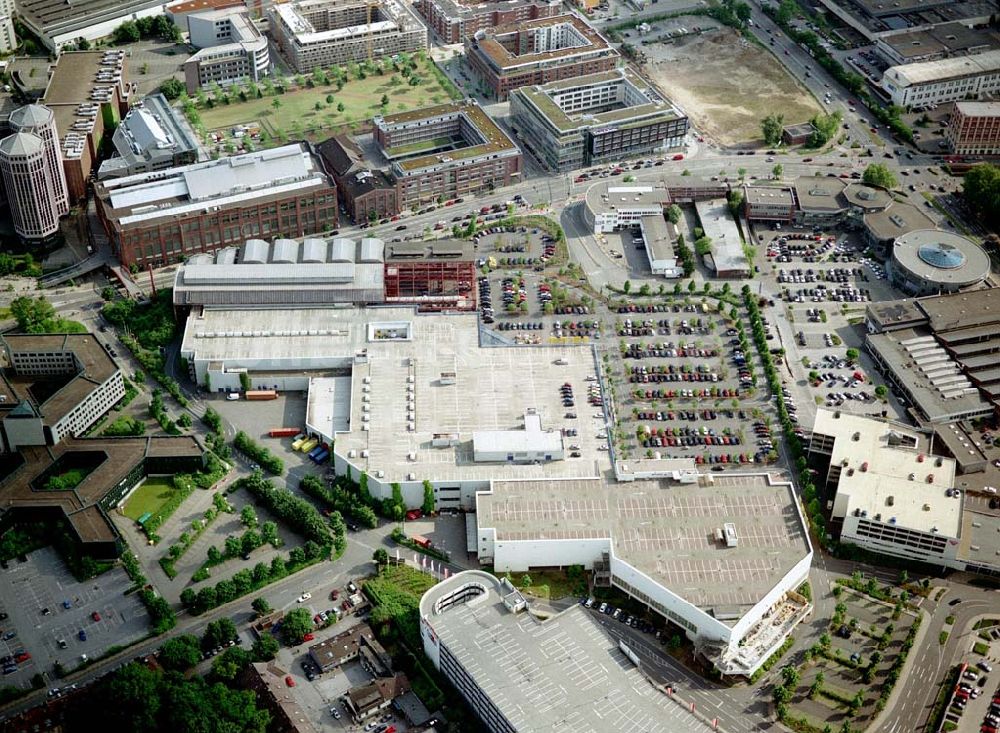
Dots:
{"x": 149, "y": 497}
{"x": 361, "y": 99}
{"x": 728, "y": 87}
{"x": 408, "y": 579}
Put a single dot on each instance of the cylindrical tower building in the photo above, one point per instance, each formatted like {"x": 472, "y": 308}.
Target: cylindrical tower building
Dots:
{"x": 24, "y": 167}
{"x": 39, "y": 120}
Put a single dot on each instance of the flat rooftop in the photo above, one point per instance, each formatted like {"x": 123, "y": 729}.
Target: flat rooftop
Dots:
{"x": 666, "y": 530}
{"x": 283, "y": 171}
{"x": 941, "y": 69}
{"x": 906, "y": 486}
{"x": 82, "y": 505}
{"x": 60, "y": 16}
{"x": 607, "y": 196}
{"x": 962, "y": 310}
{"x": 867, "y": 197}
{"x": 948, "y": 38}
{"x": 889, "y": 314}
{"x": 897, "y": 220}
{"x": 493, "y": 387}
{"x": 566, "y": 673}
{"x": 495, "y": 140}
{"x": 496, "y": 44}
{"x": 93, "y": 367}
{"x": 769, "y": 195}
{"x": 639, "y": 101}
{"x": 820, "y": 193}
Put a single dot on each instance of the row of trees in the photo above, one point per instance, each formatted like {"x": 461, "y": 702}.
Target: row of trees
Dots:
{"x": 298, "y": 513}
{"x": 981, "y": 189}
{"x": 159, "y": 27}
{"x": 339, "y": 499}
{"x": 258, "y": 453}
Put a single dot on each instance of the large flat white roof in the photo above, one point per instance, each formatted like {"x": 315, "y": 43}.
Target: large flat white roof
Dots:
{"x": 944, "y": 69}
{"x": 493, "y": 386}
{"x": 217, "y": 182}
{"x": 875, "y": 474}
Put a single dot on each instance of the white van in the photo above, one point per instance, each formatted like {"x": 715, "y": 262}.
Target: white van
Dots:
{"x": 232, "y": 396}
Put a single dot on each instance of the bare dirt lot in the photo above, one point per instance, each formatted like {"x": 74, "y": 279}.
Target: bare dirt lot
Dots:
{"x": 726, "y": 86}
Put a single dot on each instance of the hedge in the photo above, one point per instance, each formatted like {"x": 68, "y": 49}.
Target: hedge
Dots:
{"x": 264, "y": 458}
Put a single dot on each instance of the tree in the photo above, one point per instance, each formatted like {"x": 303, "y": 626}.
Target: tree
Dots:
{"x": 904, "y": 577}
{"x": 218, "y": 633}
{"x": 674, "y": 213}
{"x": 853, "y": 354}
{"x": 777, "y": 170}
{"x": 180, "y": 653}
{"x": 824, "y": 128}
{"x": 227, "y": 665}
{"x": 127, "y": 32}
{"x": 265, "y": 648}
{"x": 790, "y": 675}
{"x": 250, "y": 541}
{"x": 297, "y": 623}
{"x": 380, "y": 556}
{"x": 981, "y": 190}
{"x": 214, "y": 555}
{"x": 248, "y": 516}
{"x": 428, "y": 505}
{"x": 172, "y": 88}
{"x": 269, "y": 533}
{"x": 233, "y": 546}
{"x": 276, "y": 103}
{"x": 131, "y": 700}
{"x": 817, "y": 684}
{"x": 260, "y": 606}
{"x": 772, "y": 126}
{"x": 340, "y": 107}
{"x": 385, "y": 100}
{"x": 878, "y": 174}
{"x": 33, "y": 315}
{"x": 627, "y": 287}
{"x": 741, "y": 172}
{"x": 846, "y": 727}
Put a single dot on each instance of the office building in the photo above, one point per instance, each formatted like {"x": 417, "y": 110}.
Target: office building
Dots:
{"x": 88, "y": 92}
{"x": 592, "y": 119}
{"x": 151, "y": 137}
{"x": 448, "y": 150}
{"x": 60, "y": 24}
{"x": 769, "y": 203}
{"x": 892, "y": 496}
{"x": 161, "y": 217}
{"x": 231, "y": 50}
{"x": 314, "y": 34}
{"x": 940, "y": 353}
{"x": 30, "y": 185}
{"x": 974, "y": 128}
{"x": 57, "y": 386}
{"x": 932, "y": 262}
{"x": 946, "y": 40}
{"x": 179, "y": 11}
{"x": 366, "y": 192}
{"x": 37, "y": 120}
{"x": 357, "y": 642}
{"x": 8, "y": 38}
{"x": 612, "y": 206}
{"x": 537, "y": 52}
{"x": 945, "y": 80}
{"x": 454, "y": 20}
{"x": 109, "y": 469}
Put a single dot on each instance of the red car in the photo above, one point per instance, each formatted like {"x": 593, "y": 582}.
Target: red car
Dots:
{"x": 334, "y": 594}
{"x": 22, "y": 657}
{"x": 96, "y": 616}
{"x": 414, "y": 514}
{"x": 308, "y": 637}
{"x": 678, "y": 157}
{"x": 289, "y": 681}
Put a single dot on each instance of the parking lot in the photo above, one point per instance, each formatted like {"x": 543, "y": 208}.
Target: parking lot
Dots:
{"x": 975, "y": 704}
{"x": 56, "y": 619}
{"x": 687, "y": 386}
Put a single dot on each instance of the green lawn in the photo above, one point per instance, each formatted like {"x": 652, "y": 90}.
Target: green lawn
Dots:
{"x": 361, "y": 99}
{"x": 149, "y": 497}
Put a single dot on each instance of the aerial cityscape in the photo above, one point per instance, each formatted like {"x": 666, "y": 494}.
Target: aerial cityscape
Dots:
{"x": 388, "y": 366}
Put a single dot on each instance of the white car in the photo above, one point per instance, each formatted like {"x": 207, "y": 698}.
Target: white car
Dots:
{"x": 304, "y": 597}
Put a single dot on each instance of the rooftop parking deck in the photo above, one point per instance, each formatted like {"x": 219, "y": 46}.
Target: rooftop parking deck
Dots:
{"x": 666, "y": 530}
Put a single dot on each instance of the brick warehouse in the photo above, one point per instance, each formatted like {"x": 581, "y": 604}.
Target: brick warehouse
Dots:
{"x": 159, "y": 218}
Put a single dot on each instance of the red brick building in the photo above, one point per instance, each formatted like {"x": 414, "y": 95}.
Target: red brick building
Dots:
{"x": 365, "y": 191}
{"x": 538, "y": 52}
{"x": 974, "y": 129}
{"x": 159, "y": 218}
{"x": 454, "y": 21}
